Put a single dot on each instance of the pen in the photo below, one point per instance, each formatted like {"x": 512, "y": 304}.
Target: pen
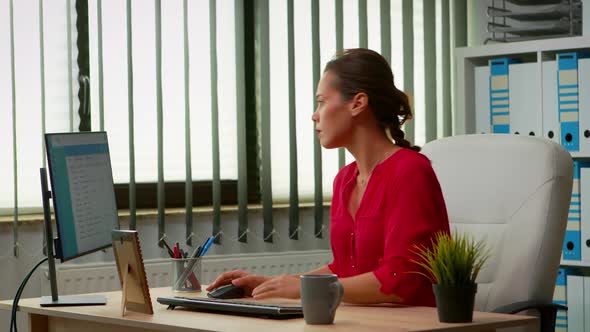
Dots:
{"x": 200, "y": 248}
{"x": 196, "y": 252}
{"x": 170, "y": 252}
{"x": 207, "y": 246}
{"x": 176, "y": 253}
{"x": 188, "y": 271}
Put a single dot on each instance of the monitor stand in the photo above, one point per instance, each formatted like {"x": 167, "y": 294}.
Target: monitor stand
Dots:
{"x": 55, "y": 300}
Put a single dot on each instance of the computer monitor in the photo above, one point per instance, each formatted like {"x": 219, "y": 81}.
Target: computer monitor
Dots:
{"x": 83, "y": 201}
{"x": 83, "y": 192}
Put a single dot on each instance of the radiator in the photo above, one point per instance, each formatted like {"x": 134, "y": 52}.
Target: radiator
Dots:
{"x": 102, "y": 277}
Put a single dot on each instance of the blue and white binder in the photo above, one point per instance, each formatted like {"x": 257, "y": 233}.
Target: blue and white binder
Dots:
{"x": 587, "y": 302}
{"x": 584, "y": 103}
{"x": 567, "y": 97}
{"x": 584, "y": 202}
{"x": 499, "y": 95}
{"x": 481, "y": 80}
{"x": 525, "y": 99}
{"x": 551, "y": 124}
{"x": 560, "y": 297}
{"x": 575, "y": 303}
{"x": 572, "y": 249}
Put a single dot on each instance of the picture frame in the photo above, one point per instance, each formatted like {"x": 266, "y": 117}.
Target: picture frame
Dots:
{"x": 134, "y": 286}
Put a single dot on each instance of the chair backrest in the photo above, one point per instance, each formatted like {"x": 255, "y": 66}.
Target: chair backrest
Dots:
{"x": 514, "y": 191}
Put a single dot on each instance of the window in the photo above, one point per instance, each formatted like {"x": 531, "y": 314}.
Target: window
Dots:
{"x": 116, "y": 94}
{"x": 45, "y": 86}
{"x": 305, "y": 93}
{"x": 46, "y": 67}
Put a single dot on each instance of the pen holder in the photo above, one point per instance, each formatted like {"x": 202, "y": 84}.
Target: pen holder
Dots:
{"x": 186, "y": 274}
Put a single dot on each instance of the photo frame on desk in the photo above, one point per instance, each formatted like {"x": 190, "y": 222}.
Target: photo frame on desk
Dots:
{"x": 134, "y": 286}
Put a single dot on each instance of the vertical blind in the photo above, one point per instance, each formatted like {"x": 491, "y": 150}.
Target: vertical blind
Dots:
{"x": 37, "y": 85}
{"x": 167, "y": 84}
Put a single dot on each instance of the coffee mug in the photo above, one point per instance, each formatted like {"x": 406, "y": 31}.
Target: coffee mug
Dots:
{"x": 320, "y": 296}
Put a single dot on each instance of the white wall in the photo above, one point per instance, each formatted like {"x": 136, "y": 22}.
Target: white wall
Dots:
{"x": 12, "y": 269}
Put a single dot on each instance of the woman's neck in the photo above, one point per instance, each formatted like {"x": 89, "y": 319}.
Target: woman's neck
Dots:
{"x": 370, "y": 147}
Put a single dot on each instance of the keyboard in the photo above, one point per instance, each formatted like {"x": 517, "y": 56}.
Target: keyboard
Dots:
{"x": 234, "y": 307}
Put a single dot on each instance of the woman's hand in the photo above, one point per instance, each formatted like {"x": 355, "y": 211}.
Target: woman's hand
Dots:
{"x": 238, "y": 278}
{"x": 285, "y": 286}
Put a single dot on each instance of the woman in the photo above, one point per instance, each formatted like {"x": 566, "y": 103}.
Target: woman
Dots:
{"x": 383, "y": 203}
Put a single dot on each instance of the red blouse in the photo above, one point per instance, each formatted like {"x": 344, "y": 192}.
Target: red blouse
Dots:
{"x": 402, "y": 205}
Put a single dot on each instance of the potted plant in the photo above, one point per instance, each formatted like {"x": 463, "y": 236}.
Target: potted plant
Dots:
{"x": 453, "y": 263}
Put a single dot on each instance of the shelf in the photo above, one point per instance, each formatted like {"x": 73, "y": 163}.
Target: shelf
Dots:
{"x": 532, "y": 46}
{"x": 538, "y": 13}
{"x": 575, "y": 263}
{"x": 468, "y": 59}
{"x": 539, "y": 30}
{"x": 580, "y": 155}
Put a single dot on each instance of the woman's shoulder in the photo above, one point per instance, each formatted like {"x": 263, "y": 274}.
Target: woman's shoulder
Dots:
{"x": 408, "y": 159}
{"x": 410, "y": 167}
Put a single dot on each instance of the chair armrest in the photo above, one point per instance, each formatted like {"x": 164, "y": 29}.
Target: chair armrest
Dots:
{"x": 547, "y": 311}
{"x": 516, "y": 307}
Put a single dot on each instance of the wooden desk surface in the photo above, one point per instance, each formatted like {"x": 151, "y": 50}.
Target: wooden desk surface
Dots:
{"x": 348, "y": 318}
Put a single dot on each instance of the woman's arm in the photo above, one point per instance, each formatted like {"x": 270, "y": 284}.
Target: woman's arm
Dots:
{"x": 361, "y": 289}
{"x": 365, "y": 289}
{"x": 322, "y": 270}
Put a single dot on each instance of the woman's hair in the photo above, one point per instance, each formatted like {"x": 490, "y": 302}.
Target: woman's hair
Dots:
{"x": 362, "y": 70}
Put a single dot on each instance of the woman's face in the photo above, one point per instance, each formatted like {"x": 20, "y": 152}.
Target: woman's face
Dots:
{"x": 332, "y": 118}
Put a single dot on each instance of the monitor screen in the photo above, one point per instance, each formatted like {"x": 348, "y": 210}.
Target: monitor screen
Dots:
{"x": 83, "y": 192}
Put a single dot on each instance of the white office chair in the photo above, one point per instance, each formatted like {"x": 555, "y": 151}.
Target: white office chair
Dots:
{"x": 514, "y": 191}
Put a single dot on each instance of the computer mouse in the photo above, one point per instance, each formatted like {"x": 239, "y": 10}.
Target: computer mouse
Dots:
{"x": 227, "y": 292}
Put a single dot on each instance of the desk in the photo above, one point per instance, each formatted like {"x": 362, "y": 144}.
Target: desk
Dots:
{"x": 348, "y": 318}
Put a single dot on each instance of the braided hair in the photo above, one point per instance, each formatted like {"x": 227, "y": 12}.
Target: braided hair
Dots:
{"x": 363, "y": 70}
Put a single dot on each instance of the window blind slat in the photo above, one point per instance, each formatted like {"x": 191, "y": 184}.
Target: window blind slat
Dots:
{"x": 279, "y": 102}
{"x": 42, "y": 74}
{"x": 374, "y": 18}
{"x": 14, "y": 155}
{"x": 327, "y": 23}
{"x": 317, "y": 149}
{"x": 339, "y": 16}
{"x": 188, "y": 184}
{"x": 100, "y": 64}
{"x": 160, "y": 125}
{"x": 265, "y": 127}
{"x": 28, "y": 115}
{"x": 339, "y": 46}
{"x": 241, "y": 122}
{"x": 351, "y": 39}
{"x": 6, "y": 102}
{"x": 293, "y": 185}
{"x": 363, "y": 24}
{"x": 408, "y": 52}
{"x": 385, "y": 19}
{"x": 458, "y": 35}
{"x": 446, "y": 69}
{"x": 430, "y": 79}
{"x": 70, "y": 74}
{"x": 215, "y": 122}
{"x": 131, "y": 115}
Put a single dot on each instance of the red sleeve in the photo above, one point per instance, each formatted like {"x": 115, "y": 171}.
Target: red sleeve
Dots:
{"x": 336, "y": 189}
{"x": 332, "y": 267}
{"x": 417, "y": 212}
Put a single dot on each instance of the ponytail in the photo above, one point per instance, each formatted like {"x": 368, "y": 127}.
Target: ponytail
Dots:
{"x": 402, "y": 113}
{"x": 398, "y": 137}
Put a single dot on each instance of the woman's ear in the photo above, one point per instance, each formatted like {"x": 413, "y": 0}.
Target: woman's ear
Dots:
{"x": 359, "y": 103}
